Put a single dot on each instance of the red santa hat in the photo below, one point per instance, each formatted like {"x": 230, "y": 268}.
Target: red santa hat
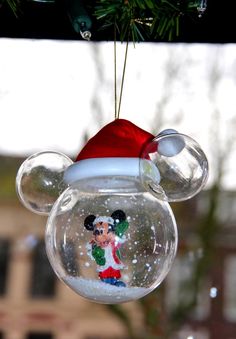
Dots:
{"x": 114, "y": 151}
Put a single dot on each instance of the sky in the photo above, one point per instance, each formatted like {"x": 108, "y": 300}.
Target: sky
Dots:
{"x": 52, "y": 92}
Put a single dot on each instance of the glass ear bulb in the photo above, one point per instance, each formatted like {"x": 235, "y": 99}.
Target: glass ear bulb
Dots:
{"x": 182, "y": 166}
{"x": 39, "y": 180}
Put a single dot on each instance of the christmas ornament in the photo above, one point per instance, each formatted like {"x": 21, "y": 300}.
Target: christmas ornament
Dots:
{"x": 111, "y": 235}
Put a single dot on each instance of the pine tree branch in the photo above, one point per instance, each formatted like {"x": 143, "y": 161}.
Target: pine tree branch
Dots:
{"x": 144, "y": 19}
{"x": 15, "y": 6}
{"x": 136, "y": 20}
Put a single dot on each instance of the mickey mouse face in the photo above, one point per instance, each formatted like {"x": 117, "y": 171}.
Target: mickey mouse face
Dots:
{"x": 103, "y": 234}
{"x": 91, "y": 222}
{"x": 103, "y": 227}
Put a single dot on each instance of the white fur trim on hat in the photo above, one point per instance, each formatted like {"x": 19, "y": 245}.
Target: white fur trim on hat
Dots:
{"x": 100, "y": 167}
{"x": 109, "y": 220}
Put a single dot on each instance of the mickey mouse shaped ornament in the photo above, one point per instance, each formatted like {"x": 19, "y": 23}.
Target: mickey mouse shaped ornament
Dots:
{"x": 111, "y": 234}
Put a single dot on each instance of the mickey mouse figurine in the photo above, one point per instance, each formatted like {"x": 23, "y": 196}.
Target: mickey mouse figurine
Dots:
{"x": 108, "y": 236}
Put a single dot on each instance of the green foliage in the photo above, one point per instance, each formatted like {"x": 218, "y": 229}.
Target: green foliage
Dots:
{"x": 13, "y": 4}
{"x": 141, "y": 19}
{"x": 207, "y": 230}
{"x": 135, "y": 20}
{"x": 8, "y": 170}
{"x": 121, "y": 314}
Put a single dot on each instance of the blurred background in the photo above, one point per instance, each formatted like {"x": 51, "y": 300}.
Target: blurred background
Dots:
{"x": 55, "y": 95}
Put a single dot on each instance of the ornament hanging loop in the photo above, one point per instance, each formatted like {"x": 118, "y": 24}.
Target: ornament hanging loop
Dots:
{"x": 115, "y": 75}
{"x": 123, "y": 78}
{"x": 117, "y": 110}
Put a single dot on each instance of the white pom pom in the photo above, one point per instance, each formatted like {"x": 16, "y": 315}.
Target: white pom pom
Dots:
{"x": 170, "y": 146}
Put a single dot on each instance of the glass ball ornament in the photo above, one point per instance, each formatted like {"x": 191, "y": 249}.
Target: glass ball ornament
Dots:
{"x": 173, "y": 167}
{"x": 110, "y": 240}
{"x": 39, "y": 180}
{"x": 111, "y": 235}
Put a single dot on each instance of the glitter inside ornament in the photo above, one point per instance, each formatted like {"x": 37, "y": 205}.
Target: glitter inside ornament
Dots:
{"x": 98, "y": 253}
{"x": 114, "y": 265}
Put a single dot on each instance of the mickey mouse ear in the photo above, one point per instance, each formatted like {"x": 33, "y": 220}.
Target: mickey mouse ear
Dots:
{"x": 180, "y": 162}
{"x": 39, "y": 180}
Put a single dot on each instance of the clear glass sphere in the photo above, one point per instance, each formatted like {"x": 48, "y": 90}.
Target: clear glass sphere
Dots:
{"x": 109, "y": 240}
{"x": 39, "y": 180}
{"x": 181, "y": 165}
